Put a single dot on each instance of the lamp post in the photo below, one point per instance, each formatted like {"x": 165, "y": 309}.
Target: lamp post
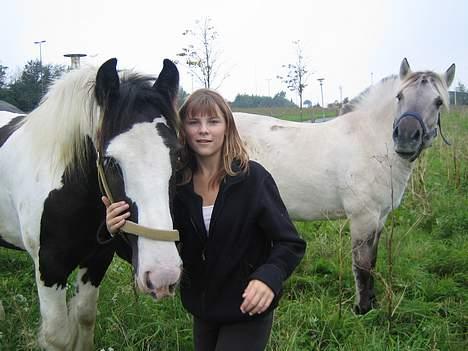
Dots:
{"x": 40, "y": 63}
{"x": 321, "y": 93}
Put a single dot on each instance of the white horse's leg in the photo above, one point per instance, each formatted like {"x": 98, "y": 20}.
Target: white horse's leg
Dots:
{"x": 83, "y": 312}
{"x": 2, "y": 311}
{"x": 56, "y": 333}
{"x": 365, "y": 234}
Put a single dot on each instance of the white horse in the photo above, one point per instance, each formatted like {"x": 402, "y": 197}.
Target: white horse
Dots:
{"x": 353, "y": 166}
{"x": 50, "y": 201}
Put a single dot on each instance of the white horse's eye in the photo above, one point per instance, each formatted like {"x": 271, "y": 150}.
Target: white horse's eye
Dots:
{"x": 439, "y": 102}
{"x": 399, "y": 96}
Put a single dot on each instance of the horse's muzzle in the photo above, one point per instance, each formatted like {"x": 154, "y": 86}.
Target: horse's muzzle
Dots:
{"x": 408, "y": 138}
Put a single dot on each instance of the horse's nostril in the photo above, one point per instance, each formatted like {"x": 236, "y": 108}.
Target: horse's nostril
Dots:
{"x": 395, "y": 132}
{"x": 416, "y": 135}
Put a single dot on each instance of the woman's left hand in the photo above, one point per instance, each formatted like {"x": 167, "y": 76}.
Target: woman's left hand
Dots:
{"x": 257, "y": 297}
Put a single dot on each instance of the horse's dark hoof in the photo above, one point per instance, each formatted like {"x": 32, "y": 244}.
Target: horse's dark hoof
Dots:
{"x": 362, "y": 310}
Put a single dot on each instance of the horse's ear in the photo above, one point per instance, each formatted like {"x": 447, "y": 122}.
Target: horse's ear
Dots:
{"x": 107, "y": 81}
{"x": 168, "y": 80}
{"x": 404, "y": 69}
{"x": 449, "y": 75}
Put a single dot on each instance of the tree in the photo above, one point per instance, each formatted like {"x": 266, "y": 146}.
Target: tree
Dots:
{"x": 181, "y": 97}
{"x": 249, "y": 101}
{"x": 307, "y": 103}
{"x": 460, "y": 88}
{"x": 3, "y": 76}
{"x": 25, "y": 92}
{"x": 201, "y": 55}
{"x": 297, "y": 74}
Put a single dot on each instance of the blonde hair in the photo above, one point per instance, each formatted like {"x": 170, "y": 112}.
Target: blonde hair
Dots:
{"x": 210, "y": 103}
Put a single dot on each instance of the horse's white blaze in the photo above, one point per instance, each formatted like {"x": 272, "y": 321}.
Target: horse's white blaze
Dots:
{"x": 146, "y": 167}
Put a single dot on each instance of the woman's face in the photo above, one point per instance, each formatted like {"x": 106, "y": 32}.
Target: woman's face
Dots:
{"x": 205, "y": 135}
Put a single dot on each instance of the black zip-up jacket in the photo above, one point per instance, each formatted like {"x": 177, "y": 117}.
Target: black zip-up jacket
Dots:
{"x": 250, "y": 237}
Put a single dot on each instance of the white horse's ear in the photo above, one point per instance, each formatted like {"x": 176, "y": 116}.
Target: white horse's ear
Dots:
{"x": 404, "y": 69}
{"x": 449, "y": 75}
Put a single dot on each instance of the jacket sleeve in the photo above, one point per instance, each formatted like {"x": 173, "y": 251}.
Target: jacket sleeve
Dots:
{"x": 287, "y": 247}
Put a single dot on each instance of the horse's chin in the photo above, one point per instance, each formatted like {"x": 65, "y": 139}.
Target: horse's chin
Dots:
{"x": 406, "y": 155}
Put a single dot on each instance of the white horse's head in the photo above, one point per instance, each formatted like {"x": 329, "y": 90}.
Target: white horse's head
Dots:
{"x": 419, "y": 101}
{"x": 137, "y": 141}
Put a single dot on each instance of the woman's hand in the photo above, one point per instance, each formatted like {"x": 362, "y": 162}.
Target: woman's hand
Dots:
{"x": 257, "y": 297}
{"x": 115, "y": 218}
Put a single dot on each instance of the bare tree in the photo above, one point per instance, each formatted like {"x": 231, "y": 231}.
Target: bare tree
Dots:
{"x": 201, "y": 55}
{"x": 297, "y": 74}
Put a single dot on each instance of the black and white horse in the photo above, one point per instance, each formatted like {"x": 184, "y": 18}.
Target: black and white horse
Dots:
{"x": 355, "y": 166}
{"x": 50, "y": 202}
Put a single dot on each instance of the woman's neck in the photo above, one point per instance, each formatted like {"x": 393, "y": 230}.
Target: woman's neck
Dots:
{"x": 207, "y": 167}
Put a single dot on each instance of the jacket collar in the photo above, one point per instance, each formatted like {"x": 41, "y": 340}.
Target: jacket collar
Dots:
{"x": 227, "y": 181}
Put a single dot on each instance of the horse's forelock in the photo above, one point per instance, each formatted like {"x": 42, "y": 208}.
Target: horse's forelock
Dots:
{"x": 136, "y": 92}
{"x": 436, "y": 80}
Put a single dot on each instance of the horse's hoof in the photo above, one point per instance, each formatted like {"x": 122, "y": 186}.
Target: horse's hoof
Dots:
{"x": 362, "y": 310}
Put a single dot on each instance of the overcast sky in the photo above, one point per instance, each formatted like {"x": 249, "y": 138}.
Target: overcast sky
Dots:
{"x": 349, "y": 43}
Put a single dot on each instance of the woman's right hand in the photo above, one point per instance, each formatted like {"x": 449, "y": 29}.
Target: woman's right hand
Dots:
{"x": 115, "y": 216}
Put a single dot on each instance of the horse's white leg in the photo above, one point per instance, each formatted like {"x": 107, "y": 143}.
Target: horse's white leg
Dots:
{"x": 83, "y": 312}
{"x": 365, "y": 234}
{"x": 56, "y": 333}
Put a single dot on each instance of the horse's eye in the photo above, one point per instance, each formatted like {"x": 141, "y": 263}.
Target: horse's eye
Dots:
{"x": 399, "y": 96}
{"x": 438, "y": 102}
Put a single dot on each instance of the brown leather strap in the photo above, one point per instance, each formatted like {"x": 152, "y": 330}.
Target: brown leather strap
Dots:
{"x": 129, "y": 226}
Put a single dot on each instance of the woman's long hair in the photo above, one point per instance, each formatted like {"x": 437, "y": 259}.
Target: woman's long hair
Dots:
{"x": 206, "y": 102}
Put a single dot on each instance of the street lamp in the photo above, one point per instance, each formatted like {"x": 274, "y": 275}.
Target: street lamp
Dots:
{"x": 40, "y": 63}
{"x": 321, "y": 92}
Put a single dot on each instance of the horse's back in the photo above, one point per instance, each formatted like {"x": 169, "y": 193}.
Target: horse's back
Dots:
{"x": 301, "y": 158}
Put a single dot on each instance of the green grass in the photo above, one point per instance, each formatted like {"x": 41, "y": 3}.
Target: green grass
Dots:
{"x": 429, "y": 283}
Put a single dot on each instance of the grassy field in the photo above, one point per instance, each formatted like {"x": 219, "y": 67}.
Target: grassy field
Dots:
{"x": 291, "y": 113}
{"x": 422, "y": 295}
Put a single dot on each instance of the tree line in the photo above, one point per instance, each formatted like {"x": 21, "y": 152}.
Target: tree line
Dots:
{"x": 26, "y": 89}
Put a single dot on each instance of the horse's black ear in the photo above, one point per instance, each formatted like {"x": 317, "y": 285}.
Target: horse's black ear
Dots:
{"x": 168, "y": 80}
{"x": 107, "y": 81}
{"x": 450, "y": 74}
{"x": 404, "y": 69}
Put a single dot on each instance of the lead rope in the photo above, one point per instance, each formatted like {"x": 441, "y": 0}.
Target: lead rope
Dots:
{"x": 441, "y": 134}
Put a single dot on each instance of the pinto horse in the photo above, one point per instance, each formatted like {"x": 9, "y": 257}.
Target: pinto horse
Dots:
{"x": 356, "y": 166}
{"x": 50, "y": 202}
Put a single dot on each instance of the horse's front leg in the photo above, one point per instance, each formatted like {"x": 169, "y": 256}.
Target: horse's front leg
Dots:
{"x": 56, "y": 333}
{"x": 83, "y": 306}
{"x": 82, "y": 311}
{"x": 364, "y": 241}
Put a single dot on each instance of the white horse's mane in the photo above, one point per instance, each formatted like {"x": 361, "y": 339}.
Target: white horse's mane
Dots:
{"x": 376, "y": 95}
{"x": 66, "y": 114}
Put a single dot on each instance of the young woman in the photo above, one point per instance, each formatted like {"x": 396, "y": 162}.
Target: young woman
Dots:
{"x": 238, "y": 244}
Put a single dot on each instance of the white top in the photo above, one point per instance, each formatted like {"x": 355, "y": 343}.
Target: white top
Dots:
{"x": 207, "y": 211}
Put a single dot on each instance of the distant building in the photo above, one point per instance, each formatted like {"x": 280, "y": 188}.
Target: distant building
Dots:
{"x": 458, "y": 98}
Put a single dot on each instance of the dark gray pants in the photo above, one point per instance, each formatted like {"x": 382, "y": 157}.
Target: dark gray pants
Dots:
{"x": 245, "y": 336}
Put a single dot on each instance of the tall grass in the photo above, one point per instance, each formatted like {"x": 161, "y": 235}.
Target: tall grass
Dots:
{"x": 429, "y": 279}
